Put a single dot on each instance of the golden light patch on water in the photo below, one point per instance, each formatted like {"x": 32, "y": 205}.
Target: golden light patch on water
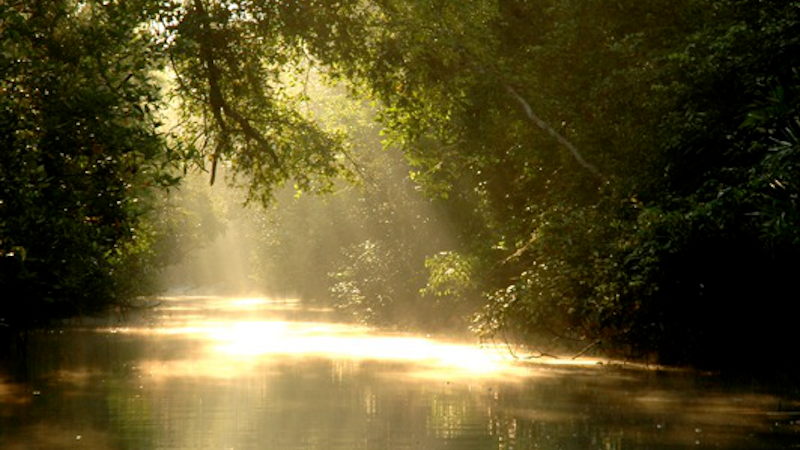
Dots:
{"x": 258, "y": 339}
{"x": 236, "y": 346}
{"x": 255, "y": 302}
{"x": 14, "y": 394}
{"x": 199, "y": 367}
{"x": 241, "y": 339}
{"x": 235, "y": 304}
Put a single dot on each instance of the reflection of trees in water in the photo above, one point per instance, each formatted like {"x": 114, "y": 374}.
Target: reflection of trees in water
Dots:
{"x": 166, "y": 385}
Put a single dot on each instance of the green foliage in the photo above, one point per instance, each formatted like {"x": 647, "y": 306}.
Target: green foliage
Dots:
{"x": 621, "y": 173}
{"x": 451, "y": 274}
{"x": 721, "y": 260}
{"x": 373, "y": 285}
{"x": 686, "y": 109}
{"x": 232, "y": 62}
{"x": 80, "y": 149}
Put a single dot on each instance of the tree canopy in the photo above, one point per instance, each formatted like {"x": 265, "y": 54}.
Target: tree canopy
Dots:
{"x": 616, "y": 176}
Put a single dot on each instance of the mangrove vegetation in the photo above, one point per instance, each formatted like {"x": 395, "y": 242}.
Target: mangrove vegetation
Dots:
{"x": 570, "y": 176}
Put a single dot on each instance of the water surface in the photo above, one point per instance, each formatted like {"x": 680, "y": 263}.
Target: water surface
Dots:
{"x": 251, "y": 373}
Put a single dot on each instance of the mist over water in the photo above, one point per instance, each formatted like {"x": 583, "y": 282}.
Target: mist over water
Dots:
{"x": 258, "y": 341}
{"x": 391, "y": 177}
{"x": 211, "y": 372}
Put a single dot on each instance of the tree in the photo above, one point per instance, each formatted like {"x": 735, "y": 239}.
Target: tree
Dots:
{"x": 81, "y": 148}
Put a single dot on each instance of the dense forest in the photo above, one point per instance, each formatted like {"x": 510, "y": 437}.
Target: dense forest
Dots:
{"x": 568, "y": 175}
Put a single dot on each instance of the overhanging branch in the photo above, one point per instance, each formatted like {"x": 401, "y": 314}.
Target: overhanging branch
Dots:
{"x": 552, "y": 132}
{"x": 220, "y": 107}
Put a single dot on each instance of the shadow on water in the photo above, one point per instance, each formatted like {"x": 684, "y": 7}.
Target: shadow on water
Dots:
{"x": 251, "y": 373}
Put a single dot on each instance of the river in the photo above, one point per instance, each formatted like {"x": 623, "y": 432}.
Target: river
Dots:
{"x": 252, "y": 373}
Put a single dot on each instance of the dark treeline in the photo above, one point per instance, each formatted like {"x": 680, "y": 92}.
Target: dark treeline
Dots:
{"x": 570, "y": 175}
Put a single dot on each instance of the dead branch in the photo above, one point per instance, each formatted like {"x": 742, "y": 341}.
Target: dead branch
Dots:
{"x": 587, "y": 348}
{"x": 552, "y": 132}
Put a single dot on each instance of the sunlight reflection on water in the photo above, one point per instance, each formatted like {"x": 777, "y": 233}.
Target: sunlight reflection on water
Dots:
{"x": 282, "y": 338}
{"x": 253, "y": 373}
{"x": 260, "y": 340}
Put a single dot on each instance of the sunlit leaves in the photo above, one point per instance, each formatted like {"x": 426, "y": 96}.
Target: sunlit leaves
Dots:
{"x": 451, "y": 274}
{"x": 233, "y": 66}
